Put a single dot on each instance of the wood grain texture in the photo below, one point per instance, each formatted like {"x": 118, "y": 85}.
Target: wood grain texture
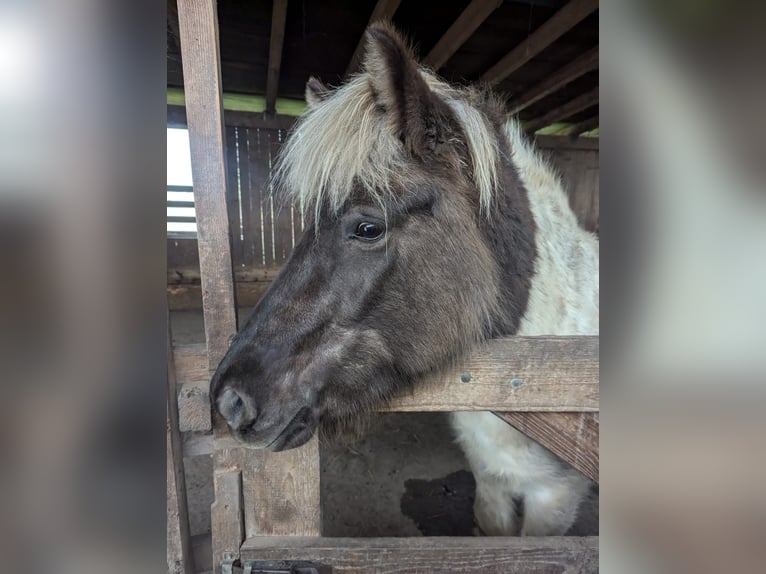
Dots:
{"x": 194, "y": 407}
{"x": 465, "y": 25}
{"x": 524, "y": 373}
{"x": 179, "y": 555}
{"x": 383, "y": 10}
{"x": 189, "y": 297}
{"x": 574, "y": 106}
{"x": 485, "y": 555}
{"x": 546, "y": 142}
{"x": 586, "y": 125}
{"x": 199, "y": 44}
{"x": 226, "y": 514}
{"x": 515, "y": 373}
{"x": 573, "y": 437}
{"x": 561, "y": 77}
{"x": 557, "y": 25}
{"x": 278, "y": 18}
{"x": 281, "y": 492}
{"x": 234, "y": 118}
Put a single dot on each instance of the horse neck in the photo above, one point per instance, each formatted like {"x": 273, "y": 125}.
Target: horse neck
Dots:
{"x": 563, "y": 291}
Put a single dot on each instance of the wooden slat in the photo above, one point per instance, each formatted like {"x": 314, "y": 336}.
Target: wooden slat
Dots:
{"x": 485, "y": 555}
{"x": 226, "y": 514}
{"x": 191, "y": 275}
{"x": 278, "y": 17}
{"x": 565, "y": 142}
{"x": 465, "y": 25}
{"x": 573, "y": 437}
{"x": 283, "y": 218}
{"x": 578, "y": 104}
{"x": 194, "y": 407}
{"x": 232, "y": 195}
{"x": 561, "y": 77}
{"x": 512, "y": 374}
{"x": 179, "y": 556}
{"x": 550, "y": 31}
{"x": 584, "y": 126}
{"x": 384, "y": 10}
{"x": 199, "y": 42}
{"x": 189, "y": 297}
{"x": 281, "y": 492}
{"x": 235, "y": 118}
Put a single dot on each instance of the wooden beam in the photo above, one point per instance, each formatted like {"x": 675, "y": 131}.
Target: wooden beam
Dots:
{"x": 580, "y": 103}
{"x": 231, "y": 118}
{"x": 179, "y": 555}
{"x": 561, "y": 77}
{"x": 457, "y": 34}
{"x": 384, "y": 10}
{"x": 586, "y": 125}
{"x": 485, "y": 555}
{"x": 573, "y": 437}
{"x": 550, "y": 31}
{"x": 278, "y": 18}
{"x": 511, "y": 374}
{"x": 226, "y": 515}
{"x": 198, "y": 22}
{"x": 565, "y": 142}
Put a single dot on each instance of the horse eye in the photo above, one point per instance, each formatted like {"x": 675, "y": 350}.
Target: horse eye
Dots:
{"x": 369, "y": 231}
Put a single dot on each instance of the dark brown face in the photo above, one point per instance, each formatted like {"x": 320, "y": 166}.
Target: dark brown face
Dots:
{"x": 370, "y": 301}
{"x": 359, "y": 311}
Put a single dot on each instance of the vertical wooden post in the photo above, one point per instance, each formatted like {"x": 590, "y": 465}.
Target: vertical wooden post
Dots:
{"x": 179, "y": 555}
{"x": 198, "y": 23}
{"x": 198, "y": 26}
{"x": 255, "y": 491}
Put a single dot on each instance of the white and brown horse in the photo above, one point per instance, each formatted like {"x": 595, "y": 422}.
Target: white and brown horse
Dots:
{"x": 432, "y": 225}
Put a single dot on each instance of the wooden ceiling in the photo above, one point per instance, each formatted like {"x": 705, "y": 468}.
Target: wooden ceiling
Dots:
{"x": 542, "y": 55}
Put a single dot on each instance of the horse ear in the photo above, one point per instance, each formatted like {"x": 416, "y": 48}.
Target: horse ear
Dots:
{"x": 401, "y": 91}
{"x": 316, "y": 92}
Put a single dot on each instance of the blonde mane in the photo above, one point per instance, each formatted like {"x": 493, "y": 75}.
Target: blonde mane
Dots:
{"x": 348, "y": 143}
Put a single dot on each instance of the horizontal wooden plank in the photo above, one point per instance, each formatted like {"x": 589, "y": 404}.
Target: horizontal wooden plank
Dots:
{"x": 566, "y": 142}
{"x": 189, "y": 297}
{"x": 176, "y": 118}
{"x": 485, "y": 555}
{"x": 191, "y": 275}
{"x": 572, "y": 13}
{"x": 194, "y": 407}
{"x": 513, "y": 374}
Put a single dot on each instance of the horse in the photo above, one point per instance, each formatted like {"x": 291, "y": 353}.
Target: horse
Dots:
{"x": 431, "y": 226}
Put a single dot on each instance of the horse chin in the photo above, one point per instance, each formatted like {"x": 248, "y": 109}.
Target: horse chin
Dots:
{"x": 297, "y": 432}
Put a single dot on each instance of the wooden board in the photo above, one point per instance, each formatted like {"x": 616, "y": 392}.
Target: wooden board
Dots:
{"x": 570, "y": 108}
{"x": 278, "y": 17}
{"x": 179, "y": 556}
{"x": 561, "y": 22}
{"x": 226, "y": 514}
{"x": 515, "y": 373}
{"x": 199, "y": 44}
{"x": 465, "y": 25}
{"x": 573, "y": 437}
{"x": 561, "y": 77}
{"x": 480, "y": 555}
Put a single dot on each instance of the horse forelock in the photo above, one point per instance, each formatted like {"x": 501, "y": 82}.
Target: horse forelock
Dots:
{"x": 347, "y": 144}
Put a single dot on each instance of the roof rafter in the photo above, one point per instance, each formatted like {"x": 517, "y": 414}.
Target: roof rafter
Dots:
{"x": 457, "y": 34}
{"x": 580, "y": 103}
{"x": 278, "y": 18}
{"x": 557, "y": 25}
{"x": 561, "y": 77}
{"x": 384, "y": 9}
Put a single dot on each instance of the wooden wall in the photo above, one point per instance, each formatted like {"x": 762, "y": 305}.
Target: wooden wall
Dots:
{"x": 263, "y": 233}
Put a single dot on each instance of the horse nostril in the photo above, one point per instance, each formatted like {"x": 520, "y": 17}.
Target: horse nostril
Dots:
{"x": 236, "y": 409}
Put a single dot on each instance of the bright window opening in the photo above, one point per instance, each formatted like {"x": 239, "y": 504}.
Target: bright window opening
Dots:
{"x": 181, "y": 217}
